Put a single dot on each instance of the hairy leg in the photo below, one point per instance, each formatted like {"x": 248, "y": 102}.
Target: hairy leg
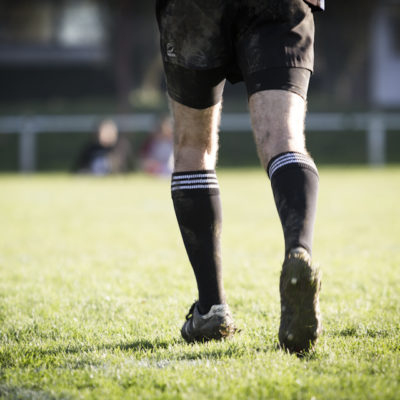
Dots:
{"x": 196, "y": 136}
{"x": 195, "y": 194}
{"x": 278, "y": 123}
{"x": 277, "y": 119}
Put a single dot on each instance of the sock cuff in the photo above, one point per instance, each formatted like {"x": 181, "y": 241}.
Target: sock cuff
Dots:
{"x": 290, "y": 159}
{"x": 194, "y": 182}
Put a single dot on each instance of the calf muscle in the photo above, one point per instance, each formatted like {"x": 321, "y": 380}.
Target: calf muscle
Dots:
{"x": 196, "y": 136}
{"x": 277, "y": 119}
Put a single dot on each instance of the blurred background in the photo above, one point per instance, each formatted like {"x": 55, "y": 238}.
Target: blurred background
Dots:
{"x": 68, "y": 65}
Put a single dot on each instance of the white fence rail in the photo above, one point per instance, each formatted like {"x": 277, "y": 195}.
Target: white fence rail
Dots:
{"x": 374, "y": 124}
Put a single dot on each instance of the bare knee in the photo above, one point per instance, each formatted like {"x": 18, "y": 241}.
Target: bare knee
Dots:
{"x": 277, "y": 119}
{"x": 195, "y": 137}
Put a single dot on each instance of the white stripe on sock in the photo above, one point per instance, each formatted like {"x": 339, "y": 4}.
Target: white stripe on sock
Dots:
{"x": 197, "y": 180}
{"x": 290, "y": 158}
{"x": 189, "y": 187}
{"x": 194, "y": 181}
{"x": 197, "y": 175}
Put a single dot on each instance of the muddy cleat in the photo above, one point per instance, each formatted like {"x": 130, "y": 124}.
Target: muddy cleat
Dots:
{"x": 216, "y": 324}
{"x": 300, "y": 284}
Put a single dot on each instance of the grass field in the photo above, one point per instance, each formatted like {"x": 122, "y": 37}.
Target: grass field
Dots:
{"x": 94, "y": 287}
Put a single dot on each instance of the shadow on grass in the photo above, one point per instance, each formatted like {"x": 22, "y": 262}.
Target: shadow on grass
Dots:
{"x": 144, "y": 344}
{"x": 179, "y": 350}
{"x": 304, "y": 356}
{"x": 173, "y": 349}
{"x": 135, "y": 346}
{"x": 361, "y": 331}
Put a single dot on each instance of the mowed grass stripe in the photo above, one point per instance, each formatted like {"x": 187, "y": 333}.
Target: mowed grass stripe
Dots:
{"x": 95, "y": 285}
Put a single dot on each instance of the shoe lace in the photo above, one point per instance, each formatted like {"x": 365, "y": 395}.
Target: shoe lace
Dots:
{"x": 190, "y": 313}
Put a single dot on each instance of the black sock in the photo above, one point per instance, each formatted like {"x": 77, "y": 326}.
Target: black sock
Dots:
{"x": 294, "y": 180}
{"x": 197, "y": 204}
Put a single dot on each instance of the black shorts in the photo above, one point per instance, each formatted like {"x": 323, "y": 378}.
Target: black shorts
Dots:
{"x": 267, "y": 43}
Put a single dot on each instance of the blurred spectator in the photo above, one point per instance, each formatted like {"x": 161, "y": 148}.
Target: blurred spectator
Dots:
{"x": 156, "y": 155}
{"x": 109, "y": 153}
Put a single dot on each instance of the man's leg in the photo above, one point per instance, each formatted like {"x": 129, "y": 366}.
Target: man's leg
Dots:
{"x": 196, "y": 136}
{"x": 196, "y": 57}
{"x": 195, "y": 194}
{"x": 196, "y": 199}
{"x": 278, "y": 122}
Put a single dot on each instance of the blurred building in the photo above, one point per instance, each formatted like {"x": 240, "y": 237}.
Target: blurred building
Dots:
{"x": 385, "y": 55}
{"x": 77, "y": 48}
{"x": 85, "y": 49}
{"x": 101, "y": 58}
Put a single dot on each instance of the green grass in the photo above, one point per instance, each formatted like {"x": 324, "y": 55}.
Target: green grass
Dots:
{"x": 94, "y": 286}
